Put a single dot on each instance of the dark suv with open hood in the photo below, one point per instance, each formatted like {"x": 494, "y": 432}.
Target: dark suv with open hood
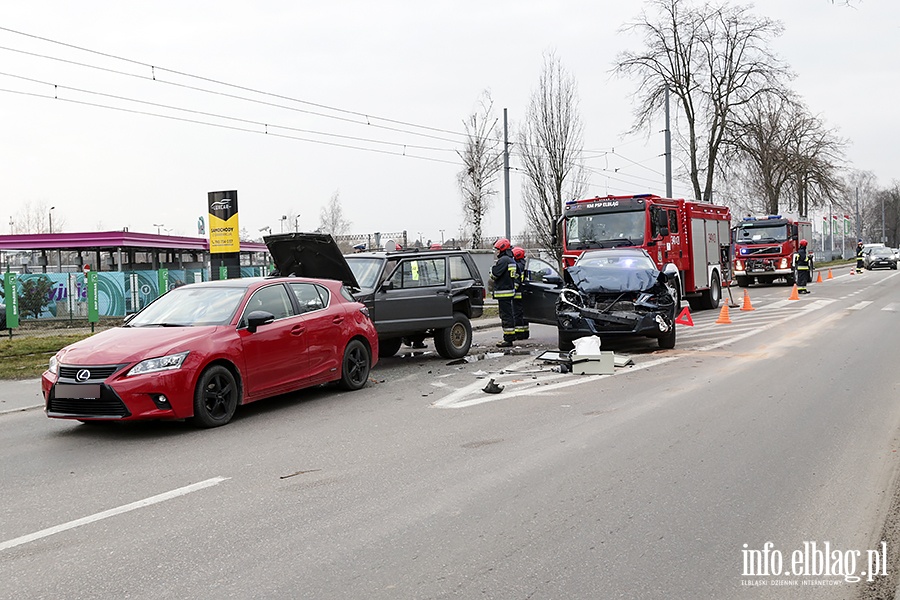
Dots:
{"x": 410, "y": 294}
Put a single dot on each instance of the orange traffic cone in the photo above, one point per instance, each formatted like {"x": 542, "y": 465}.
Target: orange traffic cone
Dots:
{"x": 819, "y": 278}
{"x": 794, "y": 294}
{"x": 723, "y": 315}
{"x": 830, "y": 276}
{"x": 747, "y": 305}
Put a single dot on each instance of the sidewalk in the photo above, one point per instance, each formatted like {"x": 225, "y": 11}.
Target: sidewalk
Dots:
{"x": 485, "y": 323}
{"x": 21, "y": 394}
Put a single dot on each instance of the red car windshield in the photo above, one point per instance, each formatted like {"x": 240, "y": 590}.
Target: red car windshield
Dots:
{"x": 191, "y": 306}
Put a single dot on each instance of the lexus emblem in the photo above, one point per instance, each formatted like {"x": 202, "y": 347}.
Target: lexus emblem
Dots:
{"x": 82, "y": 375}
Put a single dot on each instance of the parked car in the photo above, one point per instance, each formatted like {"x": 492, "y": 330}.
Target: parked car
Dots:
{"x": 411, "y": 294}
{"x": 201, "y": 350}
{"x": 879, "y": 256}
{"x": 608, "y": 293}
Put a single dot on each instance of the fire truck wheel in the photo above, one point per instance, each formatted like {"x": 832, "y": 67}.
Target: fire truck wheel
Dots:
{"x": 713, "y": 295}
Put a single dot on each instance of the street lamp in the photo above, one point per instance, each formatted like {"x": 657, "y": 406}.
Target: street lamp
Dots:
{"x": 266, "y": 229}
{"x": 50, "y": 215}
{"x": 296, "y": 225}
{"x": 442, "y": 236}
{"x": 158, "y": 225}
{"x": 283, "y": 219}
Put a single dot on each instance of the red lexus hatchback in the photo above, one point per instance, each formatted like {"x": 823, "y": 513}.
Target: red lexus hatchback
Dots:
{"x": 201, "y": 350}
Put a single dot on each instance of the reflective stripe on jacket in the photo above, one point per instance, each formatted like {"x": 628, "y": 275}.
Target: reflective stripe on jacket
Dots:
{"x": 503, "y": 274}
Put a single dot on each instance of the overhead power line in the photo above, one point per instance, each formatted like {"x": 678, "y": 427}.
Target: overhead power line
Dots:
{"x": 219, "y": 116}
{"x": 231, "y": 127}
{"x": 154, "y": 69}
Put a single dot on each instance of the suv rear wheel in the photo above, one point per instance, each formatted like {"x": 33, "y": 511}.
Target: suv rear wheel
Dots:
{"x": 454, "y": 341}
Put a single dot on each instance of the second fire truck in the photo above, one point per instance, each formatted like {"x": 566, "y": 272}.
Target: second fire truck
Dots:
{"x": 764, "y": 248}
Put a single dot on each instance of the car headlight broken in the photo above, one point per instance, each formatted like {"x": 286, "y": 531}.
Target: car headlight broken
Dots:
{"x": 663, "y": 325}
{"x": 163, "y": 363}
{"x": 572, "y": 298}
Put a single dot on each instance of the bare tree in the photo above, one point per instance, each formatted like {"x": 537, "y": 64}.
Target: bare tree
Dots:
{"x": 331, "y": 217}
{"x": 887, "y": 210}
{"x": 550, "y": 144}
{"x": 863, "y": 194}
{"x": 34, "y": 217}
{"x": 756, "y": 149}
{"x": 783, "y": 154}
{"x": 712, "y": 59}
{"x": 482, "y": 160}
{"x": 818, "y": 156}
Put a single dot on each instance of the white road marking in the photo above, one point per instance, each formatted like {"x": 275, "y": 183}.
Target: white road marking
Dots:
{"x": 892, "y": 307}
{"x": 880, "y": 281}
{"x": 456, "y": 399}
{"x": 780, "y": 303}
{"x": 472, "y": 395}
{"x": 24, "y": 408}
{"x": 860, "y": 305}
{"x": 111, "y": 513}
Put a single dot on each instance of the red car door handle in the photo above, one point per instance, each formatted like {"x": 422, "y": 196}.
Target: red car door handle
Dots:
{"x": 297, "y": 330}
{"x": 337, "y": 320}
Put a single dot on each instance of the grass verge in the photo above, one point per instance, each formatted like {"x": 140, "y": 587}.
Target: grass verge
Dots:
{"x": 27, "y": 357}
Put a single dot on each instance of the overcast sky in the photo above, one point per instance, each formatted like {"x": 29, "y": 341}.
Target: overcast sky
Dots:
{"x": 415, "y": 68}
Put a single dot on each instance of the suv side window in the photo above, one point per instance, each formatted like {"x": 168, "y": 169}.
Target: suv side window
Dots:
{"x": 310, "y": 296}
{"x": 419, "y": 272}
{"x": 459, "y": 269}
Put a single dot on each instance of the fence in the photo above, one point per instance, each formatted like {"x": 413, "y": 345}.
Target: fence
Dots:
{"x": 64, "y": 295}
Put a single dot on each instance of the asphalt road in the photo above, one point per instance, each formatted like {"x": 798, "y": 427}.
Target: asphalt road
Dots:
{"x": 779, "y": 427}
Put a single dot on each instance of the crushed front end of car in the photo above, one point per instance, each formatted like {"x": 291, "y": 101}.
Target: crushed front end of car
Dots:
{"x": 615, "y": 302}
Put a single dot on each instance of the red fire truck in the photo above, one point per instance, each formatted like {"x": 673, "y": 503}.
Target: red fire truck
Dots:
{"x": 694, "y": 236}
{"x": 764, "y": 248}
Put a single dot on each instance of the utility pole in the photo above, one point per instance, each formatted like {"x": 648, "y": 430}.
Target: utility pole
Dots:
{"x": 858, "y": 231}
{"x": 668, "y": 150}
{"x": 506, "y": 173}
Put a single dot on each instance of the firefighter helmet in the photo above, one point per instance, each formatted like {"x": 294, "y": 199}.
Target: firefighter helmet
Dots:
{"x": 518, "y": 253}
{"x": 502, "y": 245}
{"x": 803, "y": 243}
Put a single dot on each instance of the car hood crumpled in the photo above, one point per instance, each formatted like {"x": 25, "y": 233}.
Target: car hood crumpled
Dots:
{"x": 313, "y": 255}
{"x": 599, "y": 280}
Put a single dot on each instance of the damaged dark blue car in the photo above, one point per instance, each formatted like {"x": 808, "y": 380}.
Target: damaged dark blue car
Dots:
{"x": 607, "y": 293}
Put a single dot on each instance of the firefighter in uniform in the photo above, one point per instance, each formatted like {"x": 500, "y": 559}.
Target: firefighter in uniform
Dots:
{"x": 518, "y": 307}
{"x": 503, "y": 275}
{"x": 803, "y": 262}
{"x": 859, "y": 256}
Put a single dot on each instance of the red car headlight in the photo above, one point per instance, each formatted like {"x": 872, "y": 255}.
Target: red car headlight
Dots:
{"x": 163, "y": 363}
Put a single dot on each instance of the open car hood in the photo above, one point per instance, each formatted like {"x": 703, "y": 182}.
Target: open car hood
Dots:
{"x": 309, "y": 255}
{"x": 601, "y": 280}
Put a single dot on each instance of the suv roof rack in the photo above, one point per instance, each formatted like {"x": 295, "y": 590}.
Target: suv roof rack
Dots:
{"x": 418, "y": 250}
